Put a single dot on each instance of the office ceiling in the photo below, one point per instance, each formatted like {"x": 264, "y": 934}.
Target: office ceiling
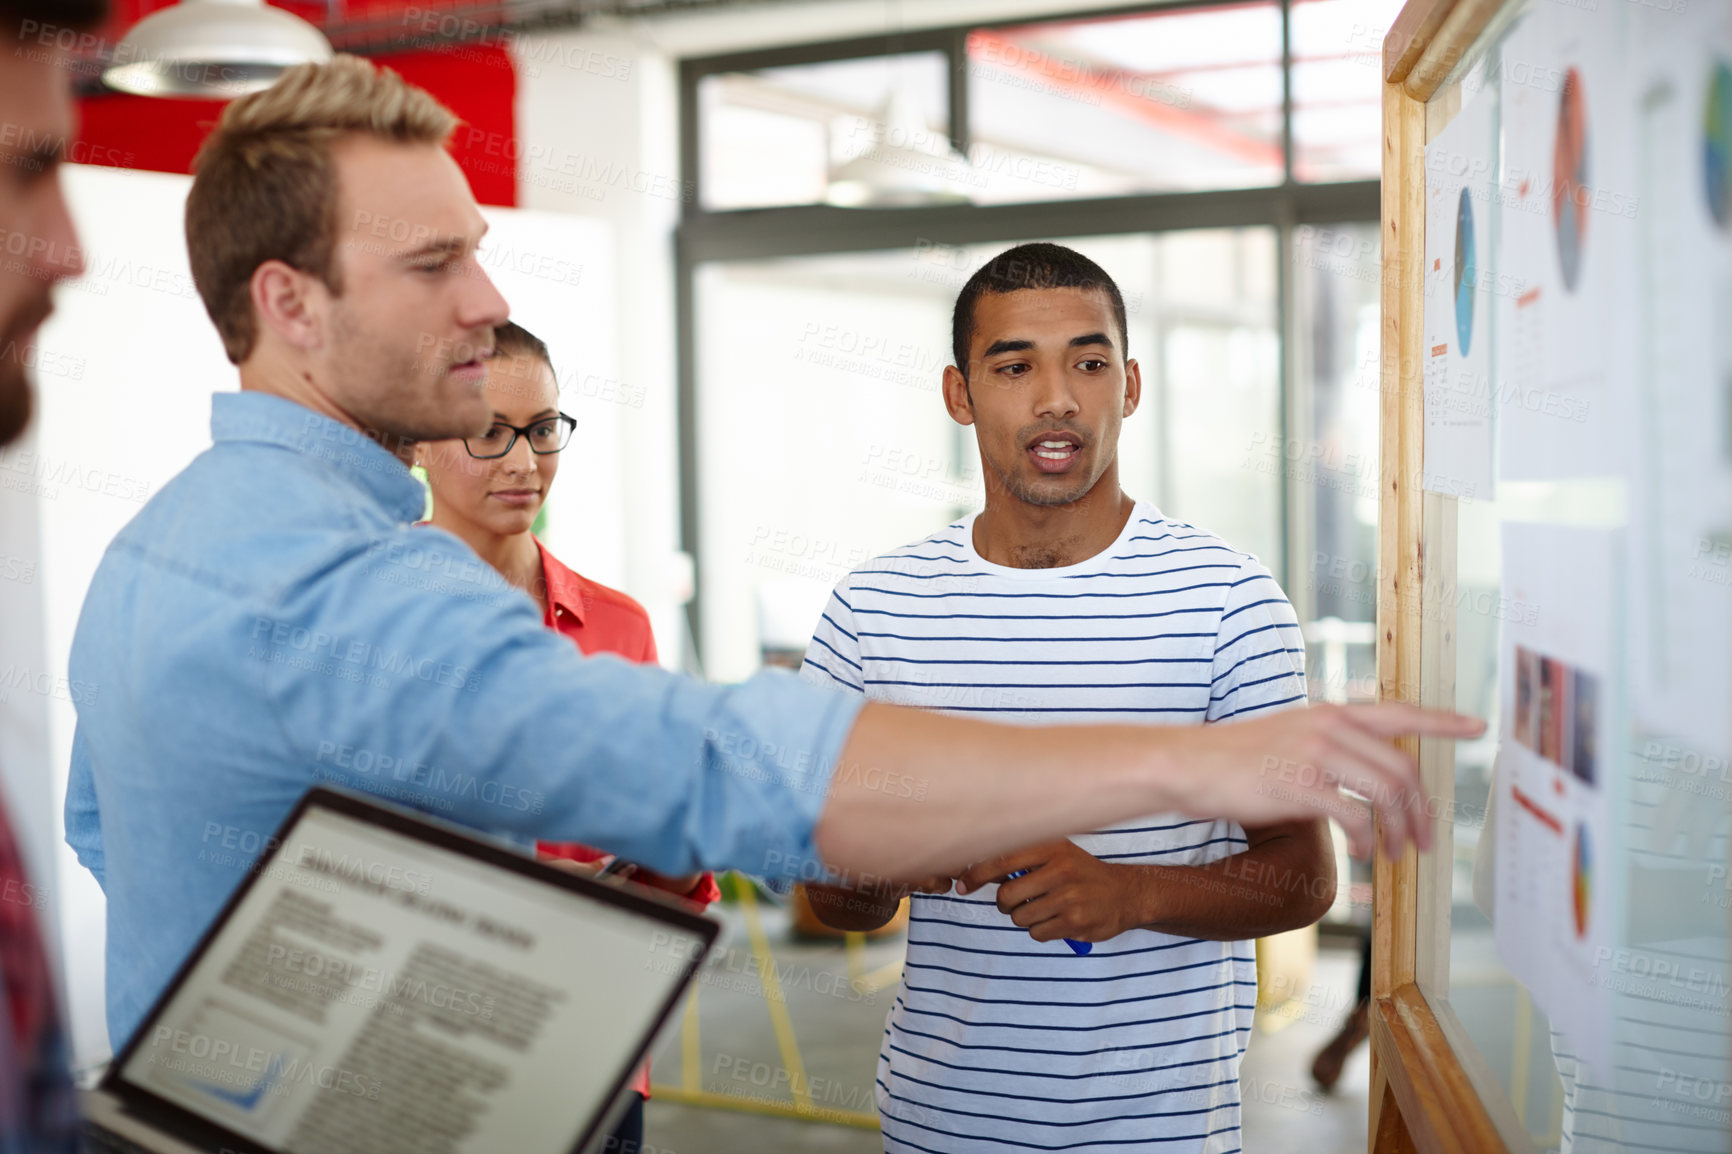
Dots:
{"x": 368, "y": 26}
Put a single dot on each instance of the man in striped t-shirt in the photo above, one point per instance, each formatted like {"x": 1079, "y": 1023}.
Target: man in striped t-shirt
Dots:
{"x": 1067, "y": 601}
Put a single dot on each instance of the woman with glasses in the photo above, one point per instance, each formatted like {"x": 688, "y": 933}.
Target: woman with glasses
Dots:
{"x": 487, "y": 490}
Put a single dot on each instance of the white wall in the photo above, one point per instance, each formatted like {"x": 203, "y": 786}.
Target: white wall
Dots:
{"x": 557, "y": 272}
{"x": 597, "y": 127}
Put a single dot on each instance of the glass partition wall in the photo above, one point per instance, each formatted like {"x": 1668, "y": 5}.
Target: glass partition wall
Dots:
{"x": 824, "y": 439}
{"x": 1218, "y": 159}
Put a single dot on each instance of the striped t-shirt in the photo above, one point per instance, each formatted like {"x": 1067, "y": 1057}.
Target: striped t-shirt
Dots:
{"x": 997, "y": 1041}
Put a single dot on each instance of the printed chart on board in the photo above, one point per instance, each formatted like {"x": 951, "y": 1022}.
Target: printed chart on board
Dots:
{"x": 1459, "y": 396}
{"x": 1556, "y": 899}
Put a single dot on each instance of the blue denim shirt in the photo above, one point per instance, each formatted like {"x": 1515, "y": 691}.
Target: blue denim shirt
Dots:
{"x": 270, "y": 620}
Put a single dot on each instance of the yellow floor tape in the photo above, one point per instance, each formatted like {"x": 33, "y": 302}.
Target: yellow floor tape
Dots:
{"x": 858, "y": 977}
{"x": 775, "y": 1000}
{"x": 691, "y": 1092}
{"x": 769, "y": 1107}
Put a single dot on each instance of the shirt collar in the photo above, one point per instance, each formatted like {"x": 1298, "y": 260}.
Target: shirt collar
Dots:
{"x": 564, "y": 587}
{"x": 265, "y": 419}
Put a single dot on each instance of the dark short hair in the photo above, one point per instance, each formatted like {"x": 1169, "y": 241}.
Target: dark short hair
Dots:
{"x": 1030, "y": 266}
{"x": 51, "y": 14}
{"x": 513, "y": 340}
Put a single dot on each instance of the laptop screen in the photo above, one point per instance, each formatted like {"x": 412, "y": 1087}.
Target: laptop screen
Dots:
{"x": 375, "y": 991}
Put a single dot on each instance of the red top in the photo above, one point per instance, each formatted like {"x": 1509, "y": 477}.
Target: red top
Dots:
{"x": 596, "y": 618}
{"x": 600, "y": 620}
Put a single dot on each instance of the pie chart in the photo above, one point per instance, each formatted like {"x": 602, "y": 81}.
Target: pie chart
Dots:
{"x": 1466, "y": 273}
{"x": 1570, "y": 193}
{"x": 1717, "y": 144}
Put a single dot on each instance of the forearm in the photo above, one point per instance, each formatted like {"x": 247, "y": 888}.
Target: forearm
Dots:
{"x": 918, "y": 793}
{"x": 1279, "y": 884}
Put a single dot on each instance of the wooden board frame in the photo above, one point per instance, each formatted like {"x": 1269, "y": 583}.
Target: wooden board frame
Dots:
{"x": 1422, "y": 1098}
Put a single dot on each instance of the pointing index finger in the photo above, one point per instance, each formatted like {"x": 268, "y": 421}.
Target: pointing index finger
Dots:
{"x": 1398, "y": 719}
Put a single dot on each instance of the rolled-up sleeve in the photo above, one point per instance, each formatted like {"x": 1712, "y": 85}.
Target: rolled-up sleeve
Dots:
{"x": 465, "y": 706}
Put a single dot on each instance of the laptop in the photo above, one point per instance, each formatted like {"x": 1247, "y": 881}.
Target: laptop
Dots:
{"x": 382, "y": 983}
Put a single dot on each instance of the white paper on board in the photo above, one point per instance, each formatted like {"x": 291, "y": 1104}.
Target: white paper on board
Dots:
{"x": 1568, "y": 204}
{"x": 1557, "y": 896}
{"x": 1681, "y": 550}
{"x": 1613, "y": 381}
{"x": 1459, "y": 178}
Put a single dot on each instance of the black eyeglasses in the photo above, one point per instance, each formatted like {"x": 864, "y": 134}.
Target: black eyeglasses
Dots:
{"x": 548, "y": 435}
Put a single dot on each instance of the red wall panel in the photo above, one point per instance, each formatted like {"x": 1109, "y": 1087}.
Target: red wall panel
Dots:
{"x": 477, "y": 82}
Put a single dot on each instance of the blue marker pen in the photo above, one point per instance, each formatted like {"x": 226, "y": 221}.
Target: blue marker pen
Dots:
{"x": 1078, "y": 948}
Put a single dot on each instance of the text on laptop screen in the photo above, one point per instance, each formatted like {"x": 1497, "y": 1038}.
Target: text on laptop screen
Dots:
{"x": 375, "y": 993}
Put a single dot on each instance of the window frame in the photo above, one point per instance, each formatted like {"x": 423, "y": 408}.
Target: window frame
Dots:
{"x": 705, "y": 235}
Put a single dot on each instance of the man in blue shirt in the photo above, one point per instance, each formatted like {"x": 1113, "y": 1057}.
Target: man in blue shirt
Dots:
{"x": 269, "y": 619}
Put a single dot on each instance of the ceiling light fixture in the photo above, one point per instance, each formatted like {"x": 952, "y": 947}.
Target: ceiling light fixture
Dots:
{"x": 904, "y": 163}
{"x": 216, "y": 49}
